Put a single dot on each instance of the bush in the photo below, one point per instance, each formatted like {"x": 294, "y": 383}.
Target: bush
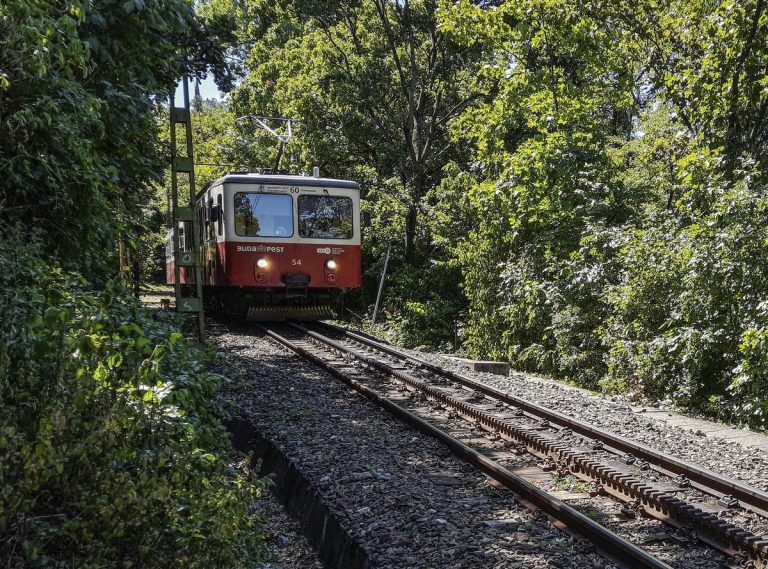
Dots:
{"x": 112, "y": 455}
{"x": 429, "y": 323}
{"x": 420, "y": 306}
{"x": 750, "y": 385}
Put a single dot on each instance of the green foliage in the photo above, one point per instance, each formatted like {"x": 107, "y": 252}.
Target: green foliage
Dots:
{"x": 147, "y": 244}
{"x": 79, "y": 82}
{"x": 546, "y": 190}
{"x": 709, "y": 59}
{"x": 111, "y": 451}
{"x": 749, "y": 384}
{"x": 421, "y": 305}
{"x": 689, "y": 307}
{"x": 112, "y": 455}
{"x": 374, "y": 85}
{"x": 614, "y": 214}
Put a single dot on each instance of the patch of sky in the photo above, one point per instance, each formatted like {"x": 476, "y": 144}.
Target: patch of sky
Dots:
{"x": 208, "y": 90}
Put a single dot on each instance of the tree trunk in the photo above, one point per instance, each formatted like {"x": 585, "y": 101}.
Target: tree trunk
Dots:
{"x": 410, "y": 234}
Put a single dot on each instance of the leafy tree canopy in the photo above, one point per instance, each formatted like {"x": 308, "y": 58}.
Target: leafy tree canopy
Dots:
{"x": 618, "y": 199}
{"x": 79, "y": 82}
{"x": 374, "y": 85}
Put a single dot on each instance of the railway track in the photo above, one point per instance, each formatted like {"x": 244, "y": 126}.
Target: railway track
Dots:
{"x": 680, "y": 494}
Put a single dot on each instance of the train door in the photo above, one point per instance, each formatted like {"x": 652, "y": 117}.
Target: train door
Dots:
{"x": 209, "y": 240}
{"x": 217, "y": 243}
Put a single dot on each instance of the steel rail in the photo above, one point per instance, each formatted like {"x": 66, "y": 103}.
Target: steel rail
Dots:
{"x": 710, "y": 481}
{"x": 612, "y": 544}
{"x": 717, "y": 532}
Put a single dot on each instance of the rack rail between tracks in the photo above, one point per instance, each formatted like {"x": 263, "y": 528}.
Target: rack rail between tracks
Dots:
{"x": 722, "y": 534}
{"x": 564, "y": 515}
{"x": 712, "y": 529}
{"x": 705, "y": 480}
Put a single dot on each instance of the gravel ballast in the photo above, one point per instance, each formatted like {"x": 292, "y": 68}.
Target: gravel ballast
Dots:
{"x": 616, "y": 414}
{"x": 402, "y": 496}
{"x": 286, "y": 546}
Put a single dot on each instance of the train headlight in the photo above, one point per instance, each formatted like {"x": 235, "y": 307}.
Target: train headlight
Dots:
{"x": 262, "y": 263}
{"x": 331, "y": 265}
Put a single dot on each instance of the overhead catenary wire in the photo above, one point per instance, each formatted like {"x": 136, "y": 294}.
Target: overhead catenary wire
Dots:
{"x": 261, "y": 121}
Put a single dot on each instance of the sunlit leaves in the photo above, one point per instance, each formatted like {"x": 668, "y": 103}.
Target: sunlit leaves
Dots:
{"x": 617, "y": 195}
{"x": 106, "y": 431}
{"x": 79, "y": 82}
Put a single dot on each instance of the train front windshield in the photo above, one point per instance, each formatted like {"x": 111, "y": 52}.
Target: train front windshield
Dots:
{"x": 325, "y": 217}
{"x": 263, "y": 215}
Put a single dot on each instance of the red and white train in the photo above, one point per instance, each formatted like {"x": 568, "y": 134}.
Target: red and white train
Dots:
{"x": 279, "y": 246}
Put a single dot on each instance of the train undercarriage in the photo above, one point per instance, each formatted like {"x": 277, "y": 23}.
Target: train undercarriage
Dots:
{"x": 261, "y": 304}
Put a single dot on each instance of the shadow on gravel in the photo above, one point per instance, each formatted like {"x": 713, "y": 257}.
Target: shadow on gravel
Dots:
{"x": 334, "y": 545}
{"x": 368, "y": 490}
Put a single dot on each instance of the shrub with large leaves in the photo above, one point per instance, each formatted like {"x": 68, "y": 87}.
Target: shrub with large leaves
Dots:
{"x": 111, "y": 452}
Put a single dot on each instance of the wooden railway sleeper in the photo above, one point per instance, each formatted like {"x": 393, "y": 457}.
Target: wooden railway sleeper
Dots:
{"x": 628, "y": 487}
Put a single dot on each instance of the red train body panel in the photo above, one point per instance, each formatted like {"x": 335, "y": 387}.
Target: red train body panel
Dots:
{"x": 234, "y": 264}
{"x": 275, "y": 240}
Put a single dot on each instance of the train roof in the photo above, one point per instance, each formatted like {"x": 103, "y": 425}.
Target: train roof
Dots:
{"x": 254, "y": 178}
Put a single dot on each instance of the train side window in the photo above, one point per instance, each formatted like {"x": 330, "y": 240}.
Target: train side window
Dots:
{"x": 209, "y": 221}
{"x": 188, "y": 236}
{"x": 200, "y": 223}
{"x": 182, "y": 237}
{"x": 325, "y": 217}
{"x": 263, "y": 215}
{"x": 220, "y": 219}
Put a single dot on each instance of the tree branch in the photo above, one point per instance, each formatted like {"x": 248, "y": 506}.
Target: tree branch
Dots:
{"x": 733, "y": 120}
